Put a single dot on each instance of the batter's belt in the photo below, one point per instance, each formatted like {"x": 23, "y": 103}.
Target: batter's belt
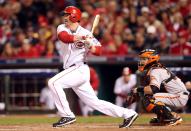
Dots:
{"x": 185, "y": 93}
{"x": 78, "y": 64}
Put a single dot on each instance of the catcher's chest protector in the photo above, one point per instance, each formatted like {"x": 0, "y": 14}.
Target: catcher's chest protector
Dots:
{"x": 145, "y": 80}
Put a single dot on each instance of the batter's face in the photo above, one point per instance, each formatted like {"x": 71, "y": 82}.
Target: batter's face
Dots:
{"x": 66, "y": 19}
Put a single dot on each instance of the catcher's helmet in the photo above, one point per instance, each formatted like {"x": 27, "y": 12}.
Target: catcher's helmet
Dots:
{"x": 74, "y": 12}
{"x": 147, "y": 57}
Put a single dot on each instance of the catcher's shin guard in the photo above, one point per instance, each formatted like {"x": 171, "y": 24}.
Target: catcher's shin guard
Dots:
{"x": 162, "y": 111}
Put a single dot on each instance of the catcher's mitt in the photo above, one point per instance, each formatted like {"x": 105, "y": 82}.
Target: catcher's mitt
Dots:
{"x": 131, "y": 98}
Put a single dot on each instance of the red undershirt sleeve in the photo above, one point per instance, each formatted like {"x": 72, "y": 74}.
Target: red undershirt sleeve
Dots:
{"x": 98, "y": 50}
{"x": 65, "y": 37}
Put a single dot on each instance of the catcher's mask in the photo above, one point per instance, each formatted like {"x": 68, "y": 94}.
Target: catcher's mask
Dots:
{"x": 146, "y": 57}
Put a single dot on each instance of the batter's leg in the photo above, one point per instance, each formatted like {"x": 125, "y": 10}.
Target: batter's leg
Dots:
{"x": 60, "y": 99}
{"x": 87, "y": 95}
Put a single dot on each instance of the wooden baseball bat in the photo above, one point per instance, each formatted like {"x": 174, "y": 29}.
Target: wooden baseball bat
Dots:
{"x": 95, "y": 23}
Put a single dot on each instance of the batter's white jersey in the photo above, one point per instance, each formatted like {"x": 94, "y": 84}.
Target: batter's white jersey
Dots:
{"x": 177, "y": 94}
{"x": 74, "y": 53}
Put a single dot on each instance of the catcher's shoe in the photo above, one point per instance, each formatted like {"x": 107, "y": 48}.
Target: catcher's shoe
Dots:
{"x": 155, "y": 121}
{"x": 128, "y": 121}
{"x": 64, "y": 121}
{"x": 174, "y": 122}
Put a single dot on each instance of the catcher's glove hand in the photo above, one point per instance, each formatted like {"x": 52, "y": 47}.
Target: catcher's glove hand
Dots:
{"x": 132, "y": 97}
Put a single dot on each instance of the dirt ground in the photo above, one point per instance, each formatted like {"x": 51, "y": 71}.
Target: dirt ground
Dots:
{"x": 185, "y": 126}
{"x": 93, "y": 127}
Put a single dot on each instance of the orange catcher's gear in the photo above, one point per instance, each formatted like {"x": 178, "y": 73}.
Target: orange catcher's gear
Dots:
{"x": 147, "y": 58}
{"x": 74, "y": 12}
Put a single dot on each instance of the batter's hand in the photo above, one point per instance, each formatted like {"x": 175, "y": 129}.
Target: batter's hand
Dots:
{"x": 79, "y": 37}
{"x": 89, "y": 42}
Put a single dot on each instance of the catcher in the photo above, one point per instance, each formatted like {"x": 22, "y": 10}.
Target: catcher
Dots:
{"x": 161, "y": 90}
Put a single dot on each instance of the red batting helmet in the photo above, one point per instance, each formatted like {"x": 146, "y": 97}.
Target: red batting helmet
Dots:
{"x": 75, "y": 13}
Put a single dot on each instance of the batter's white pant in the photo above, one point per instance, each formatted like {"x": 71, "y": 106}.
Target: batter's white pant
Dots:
{"x": 77, "y": 77}
{"x": 85, "y": 109}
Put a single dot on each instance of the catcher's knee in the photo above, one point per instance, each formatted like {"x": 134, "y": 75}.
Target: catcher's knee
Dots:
{"x": 158, "y": 108}
{"x": 149, "y": 103}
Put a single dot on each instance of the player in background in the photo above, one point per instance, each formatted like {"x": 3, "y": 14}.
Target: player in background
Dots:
{"x": 76, "y": 42}
{"x": 46, "y": 98}
{"x": 162, "y": 90}
{"x": 95, "y": 82}
{"x": 123, "y": 86}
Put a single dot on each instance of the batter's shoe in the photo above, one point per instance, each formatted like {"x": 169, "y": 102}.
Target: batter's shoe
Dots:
{"x": 128, "y": 121}
{"x": 64, "y": 121}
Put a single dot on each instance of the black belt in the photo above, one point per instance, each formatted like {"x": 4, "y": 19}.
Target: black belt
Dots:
{"x": 185, "y": 93}
{"x": 75, "y": 64}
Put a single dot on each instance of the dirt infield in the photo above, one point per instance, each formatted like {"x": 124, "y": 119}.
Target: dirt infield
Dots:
{"x": 185, "y": 126}
{"x": 92, "y": 127}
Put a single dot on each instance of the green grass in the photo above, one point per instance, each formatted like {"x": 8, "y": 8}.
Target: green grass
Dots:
{"x": 20, "y": 119}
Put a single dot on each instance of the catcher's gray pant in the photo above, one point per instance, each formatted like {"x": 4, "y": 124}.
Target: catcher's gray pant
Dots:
{"x": 173, "y": 100}
{"x": 77, "y": 77}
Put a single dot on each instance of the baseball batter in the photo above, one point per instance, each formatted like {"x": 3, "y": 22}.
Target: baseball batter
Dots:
{"x": 162, "y": 89}
{"x": 76, "y": 43}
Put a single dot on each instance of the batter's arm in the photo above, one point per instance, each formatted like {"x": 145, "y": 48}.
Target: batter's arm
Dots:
{"x": 96, "y": 50}
{"x": 68, "y": 38}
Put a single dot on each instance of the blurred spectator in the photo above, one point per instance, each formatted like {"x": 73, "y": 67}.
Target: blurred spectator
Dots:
{"x": 128, "y": 37}
{"x": 27, "y": 51}
{"x": 37, "y": 20}
{"x": 8, "y": 51}
{"x": 163, "y": 46}
{"x": 108, "y": 44}
{"x": 122, "y": 48}
{"x": 182, "y": 47}
{"x": 123, "y": 86}
{"x": 189, "y": 28}
{"x": 28, "y": 14}
{"x": 151, "y": 38}
{"x": 46, "y": 98}
{"x": 95, "y": 82}
{"x": 50, "y": 50}
{"x": 139, "y": 43}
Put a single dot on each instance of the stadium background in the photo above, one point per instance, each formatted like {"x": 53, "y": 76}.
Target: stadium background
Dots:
{"x": 28, "y": 43}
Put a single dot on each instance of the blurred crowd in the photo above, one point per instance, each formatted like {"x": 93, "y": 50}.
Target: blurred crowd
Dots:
{"x": 28, "y": 27}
